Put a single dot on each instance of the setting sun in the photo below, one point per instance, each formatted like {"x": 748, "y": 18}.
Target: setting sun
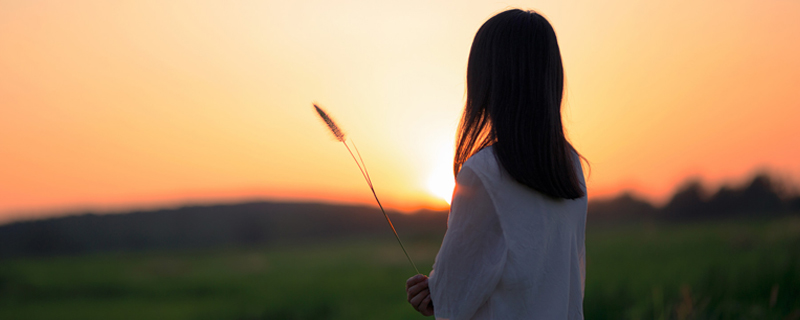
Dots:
{"x": 440, "y": 180}
{"x": 441, "y": 184}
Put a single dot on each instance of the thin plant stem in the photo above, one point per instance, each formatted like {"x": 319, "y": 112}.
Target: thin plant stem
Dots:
{"x": 369, "y": 179}
{"x": 363, "y": 168}
{"x": 363, "y": 173}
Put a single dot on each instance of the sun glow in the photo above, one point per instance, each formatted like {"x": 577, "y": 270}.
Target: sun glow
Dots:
{"x": 441, "y": 184}
{"x": 139, "y": 104}
{"x": 440, "y": 181}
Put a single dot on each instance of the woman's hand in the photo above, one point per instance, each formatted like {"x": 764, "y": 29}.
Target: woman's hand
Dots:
{"x": 419, "y": 296}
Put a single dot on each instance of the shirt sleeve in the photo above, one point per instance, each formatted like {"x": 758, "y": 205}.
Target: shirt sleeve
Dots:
{"x": 470, "y": 262}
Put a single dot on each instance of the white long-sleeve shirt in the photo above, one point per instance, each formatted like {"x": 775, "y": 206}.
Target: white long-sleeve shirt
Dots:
{"x": 509, "y": 252}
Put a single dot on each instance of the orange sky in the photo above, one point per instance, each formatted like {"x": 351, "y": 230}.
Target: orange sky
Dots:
{"x": 110, "y": 105}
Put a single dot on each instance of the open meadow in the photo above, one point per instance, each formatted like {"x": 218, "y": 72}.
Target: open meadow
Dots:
{"x": 714, "y": 270}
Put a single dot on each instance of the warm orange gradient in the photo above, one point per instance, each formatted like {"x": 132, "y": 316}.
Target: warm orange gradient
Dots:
{"x": 121, "y": 104}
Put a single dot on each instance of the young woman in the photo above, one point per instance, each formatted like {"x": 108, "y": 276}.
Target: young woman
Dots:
{"x": 514, "y": 247}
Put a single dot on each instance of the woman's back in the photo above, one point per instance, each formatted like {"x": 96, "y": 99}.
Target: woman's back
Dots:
{"x": 509, "y": 252}
{"x": 514, "y": 247}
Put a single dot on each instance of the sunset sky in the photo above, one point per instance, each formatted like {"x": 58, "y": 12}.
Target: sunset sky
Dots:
{"x": 113, "y": 105}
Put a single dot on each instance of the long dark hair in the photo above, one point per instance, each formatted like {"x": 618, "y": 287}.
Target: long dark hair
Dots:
{"x": 515, "y": 84}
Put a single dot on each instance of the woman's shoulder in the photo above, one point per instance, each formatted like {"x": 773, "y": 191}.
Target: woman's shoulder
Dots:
{"x": 484, "y": 163}
{"x": 486, "y": 166}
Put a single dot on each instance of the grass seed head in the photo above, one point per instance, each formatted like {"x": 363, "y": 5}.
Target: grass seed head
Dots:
{"x": 337, "y": 133}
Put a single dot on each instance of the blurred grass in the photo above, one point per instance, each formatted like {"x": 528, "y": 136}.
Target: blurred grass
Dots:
{"x": 731, "y": 270}
{"x": 712, "y": 270}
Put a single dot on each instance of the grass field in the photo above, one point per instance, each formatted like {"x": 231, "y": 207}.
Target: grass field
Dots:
{"x": 732, "y": 270}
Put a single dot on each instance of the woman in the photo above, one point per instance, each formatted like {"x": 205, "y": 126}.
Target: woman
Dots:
{"x": 514, "y": 247}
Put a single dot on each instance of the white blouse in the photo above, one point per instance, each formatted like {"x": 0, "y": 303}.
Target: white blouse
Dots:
{"x": 509, "y": 252}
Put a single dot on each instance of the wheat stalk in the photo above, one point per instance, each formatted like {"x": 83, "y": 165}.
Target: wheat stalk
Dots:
{"x": 340, "y": 136}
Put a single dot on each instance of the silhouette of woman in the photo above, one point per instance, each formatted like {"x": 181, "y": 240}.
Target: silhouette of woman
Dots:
{"x": 514, "y": 247}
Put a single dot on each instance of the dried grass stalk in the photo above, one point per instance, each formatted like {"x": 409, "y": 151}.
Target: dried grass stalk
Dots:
{"x": 340, "y": 136}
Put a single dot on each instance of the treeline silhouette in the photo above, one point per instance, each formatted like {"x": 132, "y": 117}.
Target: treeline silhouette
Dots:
{"x": 761, "y": 197}
{"x": 219, "y": 226}
{"x": 268, "y": 223}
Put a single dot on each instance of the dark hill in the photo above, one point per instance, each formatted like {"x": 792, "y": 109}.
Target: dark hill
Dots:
{"x": 258, "y": 223}
{"x": 265, "y": 223}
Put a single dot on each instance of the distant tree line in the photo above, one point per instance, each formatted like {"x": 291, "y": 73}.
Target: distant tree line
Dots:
{"x": 761, "y": 197}
{"x": 219, "y": 226}
{"x": 267, "y": 223}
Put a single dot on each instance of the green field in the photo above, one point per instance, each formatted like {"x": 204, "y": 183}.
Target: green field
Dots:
{"x": 741, "y": 270}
